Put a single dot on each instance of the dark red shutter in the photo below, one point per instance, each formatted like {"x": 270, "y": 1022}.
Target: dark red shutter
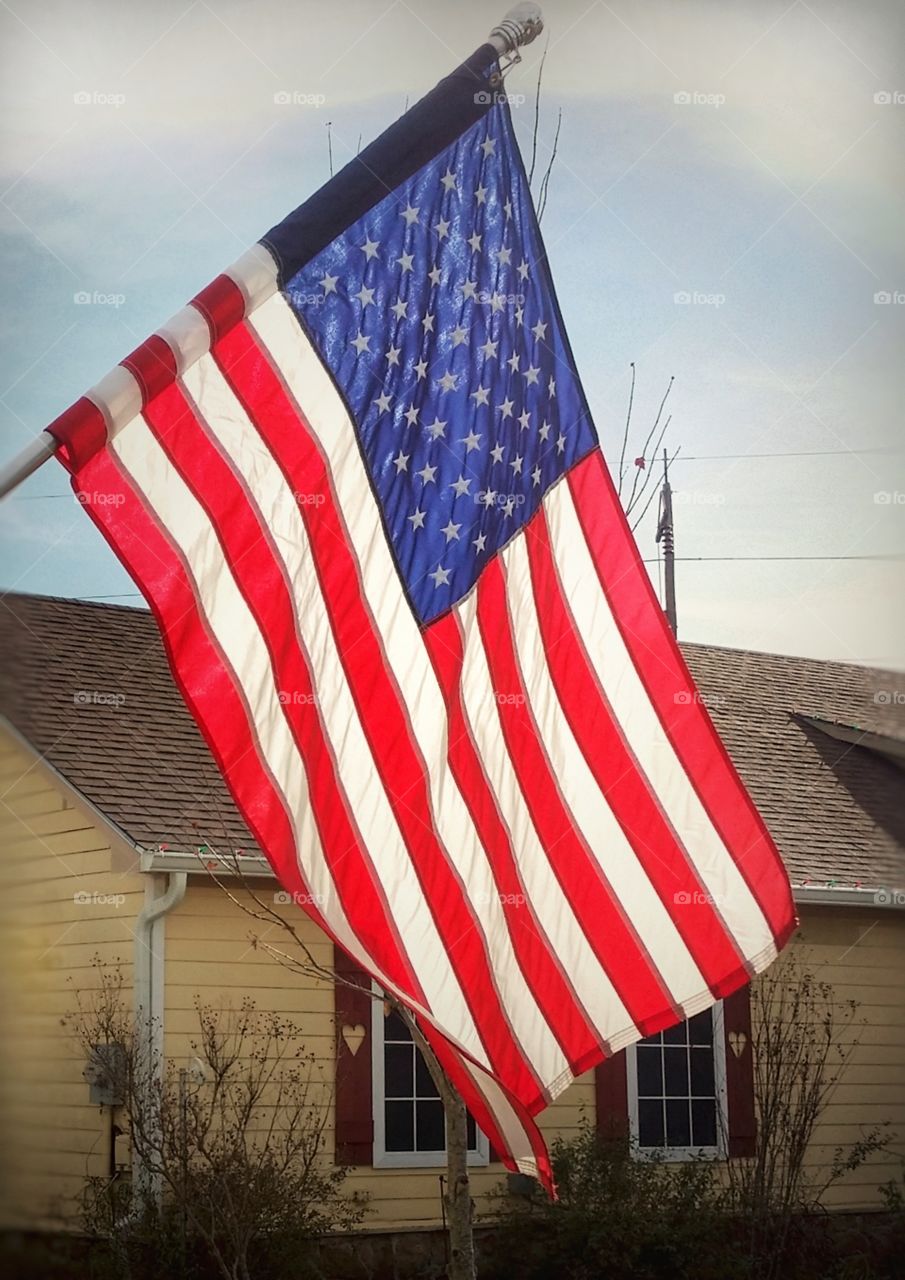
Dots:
{"x": 740, "y": 1073}
{"x": 611, "y": 1093}
{"x": 354, "y": 1094}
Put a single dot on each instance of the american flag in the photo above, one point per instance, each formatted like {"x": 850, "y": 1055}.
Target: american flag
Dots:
{"x": 358, "y": 482}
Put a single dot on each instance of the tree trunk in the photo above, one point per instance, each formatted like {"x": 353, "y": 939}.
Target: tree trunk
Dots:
{"x": 458, "y": 1192}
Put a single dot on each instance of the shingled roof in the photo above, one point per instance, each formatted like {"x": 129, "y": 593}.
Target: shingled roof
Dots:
{"x": 821, "y": 745}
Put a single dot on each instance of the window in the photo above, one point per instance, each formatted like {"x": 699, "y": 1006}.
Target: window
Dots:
{"x": 677, "y": 1089}
{"x": 409, "y": 1125}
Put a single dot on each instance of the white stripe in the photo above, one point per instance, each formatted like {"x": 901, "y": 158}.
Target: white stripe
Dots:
{"x": 602, "y": 834}
{"x": 406, "y": 656}
{"x": 358, "y": 775}
{"x": 513, "y": 1131}
{"x": 231, "y": 622}
{"x": 256, "y": 275}
{"x": 118, "y": 396}
{"x": 567, "y": 939}
{"x": 187, "y": 335}
{"x": 644, "y": 733}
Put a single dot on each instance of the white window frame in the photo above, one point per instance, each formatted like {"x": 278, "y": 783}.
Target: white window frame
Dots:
{"x": 675, "y": 1155}
{"x": 382, "y": 1158}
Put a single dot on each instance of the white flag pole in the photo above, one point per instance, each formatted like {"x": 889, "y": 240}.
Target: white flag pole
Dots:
{"x": 522, "y": 24}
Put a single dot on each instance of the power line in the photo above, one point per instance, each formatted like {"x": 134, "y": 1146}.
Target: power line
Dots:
{"x": 803, "y": 453}
{"x": 878, "y": 556}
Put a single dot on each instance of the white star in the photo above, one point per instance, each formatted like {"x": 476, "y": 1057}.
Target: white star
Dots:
{"x": 421, "y": 369}
{"x": 449, "y": 180}
{"x": 383, "y": 403}
{"x": 447, "y": 382}
{"x": 481, "y": 195}
{"x": 442, "y": 228}
{"x": 459, "y": 335}
{"x": 417, "y": 520}
{"x": 539, "y": 330}
{"x": 519, "y": 316}
{"x": 402, "y": 461}
{"x": 410, "y": 215}
{"x": 489, "y": 348}
{"x": 469, "y": 289}
{"x": 370, "y": 248}
{"x": 361, "y": 343}
{"x": 516, "y": 465}
{"x": 507, "y": 209}
{"x": 405, "y": 261}
{"x": 506, "y": 408}
{"x": 427, "y": 324}
{"x": 475, "y": 241}
{"x": 504, "y": 256}
{"x": 531, "y": 374}
{"x": 497, "y": 453}
{"x": 551, "y": 386}
{"x": 544, "y": 432}
{"x": 488, "y": 146}
{"x": 509, "y": 506}
{"x": 437, "y": 428}
{"x": 535, "y": 476}
{"x": 365, "y": 296}
{"x": 471, "y": 441}
{"x": 440, "y": 576}
{"x": 513, "y": 362}
{"x": 461, "y": 486}
{"x": 488, "y": 497}
{"x": 411, "y": 415}
{"x": 480, "y": 396}
{"x": 328, "y": 283}
{"x": 480, "y": 542}
{"x": 561, "y": 443}
{"x": 451, "y": 530}
{"x": 497, "y": 302}
{"x": 427, "y": 473}
{"x": 434, "y": 275}
{"x": 400, "y": 309}
{"x": 523, "y": 270}
{"x": 393, "y": 355}
{"x": 524, "y": 420}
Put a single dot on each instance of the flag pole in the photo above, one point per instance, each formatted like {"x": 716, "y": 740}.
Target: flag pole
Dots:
{"x": 519, "y": 26}
{"x": 665, "y": 534}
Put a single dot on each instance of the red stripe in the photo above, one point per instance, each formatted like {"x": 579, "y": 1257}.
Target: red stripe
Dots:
{"x": 152, "y": 365}
{"x": 550, "y": 986}
{"x": 251, "y": 558}
{"x": 81, "y": 431}
{"x": 620, "y": 777}
{"x": 596, "y": 907}
{"x": 222, "y": 304}
{"x": 377, "y": 699}
{"x": 198, "y": 665}
{"x": 663, "y": 673}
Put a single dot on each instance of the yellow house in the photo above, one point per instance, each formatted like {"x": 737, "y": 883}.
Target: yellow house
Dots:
{"x": 112, "y": 814}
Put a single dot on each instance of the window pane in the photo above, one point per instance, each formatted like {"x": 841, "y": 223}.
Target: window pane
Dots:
{"x": 430, "y": 1126}
{"x": 394, "y": 1028}
{"x": 700, "y": 1028}
{"x": 678, "y": 1128}
{"x": 703, "y": 1123}
{"x": 677, "y": 1034}
{"x": 676, "y": 1064}
{"x": 472, "y": 1132}
{"x": 650, "y": 1071}
{"x": 702, "y": 1084}
{"x": 650, "y": 1123}
{"x": 400, "y": 1126}
{"x": 424, "y": 1085}
{"x": 399, "y": 1070}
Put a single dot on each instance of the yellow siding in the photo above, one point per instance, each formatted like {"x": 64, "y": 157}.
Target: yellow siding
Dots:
{"x": 50, "y": 1134}
{"x": 209, "y": 954}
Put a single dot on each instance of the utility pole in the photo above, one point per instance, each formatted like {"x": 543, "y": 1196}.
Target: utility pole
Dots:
{"x": 665, "y": 535}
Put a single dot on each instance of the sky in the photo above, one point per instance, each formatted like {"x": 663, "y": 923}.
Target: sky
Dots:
{"x": 725, "y": 209}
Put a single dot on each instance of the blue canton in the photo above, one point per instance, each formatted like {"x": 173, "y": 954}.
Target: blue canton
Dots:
{"x": 436, "y": 316}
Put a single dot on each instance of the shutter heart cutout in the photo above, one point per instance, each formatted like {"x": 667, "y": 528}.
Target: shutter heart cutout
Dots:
{"x": 353, "y": 1038}
{"x": 737, "y": 1041}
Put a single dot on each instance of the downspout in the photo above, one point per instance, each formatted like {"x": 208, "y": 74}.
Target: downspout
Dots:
{"x": 150, "y": 992}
